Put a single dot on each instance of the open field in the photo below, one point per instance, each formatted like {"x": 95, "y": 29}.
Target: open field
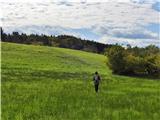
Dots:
{"x": 46, "y": 83}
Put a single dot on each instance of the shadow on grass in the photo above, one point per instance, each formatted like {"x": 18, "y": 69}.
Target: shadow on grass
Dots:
{"x": 27, "y": 75}
{"x": 143, "y": 76}
{"x": 21, "y": 74}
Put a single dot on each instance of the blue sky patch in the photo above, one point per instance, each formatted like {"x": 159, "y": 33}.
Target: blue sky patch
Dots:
{"x": 156, "y": 6}
{"x": 153, "y": 27}
{"x": 86, "y": 33}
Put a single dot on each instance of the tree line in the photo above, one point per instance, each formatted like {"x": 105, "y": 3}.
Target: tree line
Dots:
{"x": 134, "y": 60}
{"x": 124, "y": 61}
{"x": 63, "y": 41}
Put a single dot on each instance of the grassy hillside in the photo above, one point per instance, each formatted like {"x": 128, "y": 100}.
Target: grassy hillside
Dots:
{"x": 46, "y": 83}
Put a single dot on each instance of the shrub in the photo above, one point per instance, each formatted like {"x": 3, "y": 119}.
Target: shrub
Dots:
{"x": 139, "y": 61}
{"x": 116, "y": 59}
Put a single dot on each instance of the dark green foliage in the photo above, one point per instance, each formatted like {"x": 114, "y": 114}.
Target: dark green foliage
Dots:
{"x": 63, "y": 41}
{"x": 134, "y": 61}
{"x": 116, "y": 59}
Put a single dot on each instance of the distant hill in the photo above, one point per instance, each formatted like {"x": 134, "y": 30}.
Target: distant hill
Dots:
{"x": 62, "y": 41}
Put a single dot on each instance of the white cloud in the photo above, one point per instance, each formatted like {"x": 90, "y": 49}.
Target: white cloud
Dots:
{"x": 47, "y": 30}
{"x": 31, "y": 1}
{"x": 133, "y": 42}
{"x": 125, "y": 19}
{"x": 79, "y": 15}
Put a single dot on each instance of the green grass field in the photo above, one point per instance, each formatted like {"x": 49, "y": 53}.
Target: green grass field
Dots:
{"x": 47, "y": 83}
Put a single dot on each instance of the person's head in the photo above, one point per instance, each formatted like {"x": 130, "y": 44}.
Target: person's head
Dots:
{"x": 96, "y": 73}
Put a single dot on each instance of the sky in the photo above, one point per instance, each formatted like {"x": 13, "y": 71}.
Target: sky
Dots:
{"x": 134, "y": 22}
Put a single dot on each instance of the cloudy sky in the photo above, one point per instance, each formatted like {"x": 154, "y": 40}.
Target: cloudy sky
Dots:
{"x": 134, "y": 22}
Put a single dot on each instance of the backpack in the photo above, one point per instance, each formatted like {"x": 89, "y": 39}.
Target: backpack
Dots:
{"x": 96, "y": 79}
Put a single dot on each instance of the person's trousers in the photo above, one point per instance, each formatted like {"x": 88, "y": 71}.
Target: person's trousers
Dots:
{"x": 96, "y": 87}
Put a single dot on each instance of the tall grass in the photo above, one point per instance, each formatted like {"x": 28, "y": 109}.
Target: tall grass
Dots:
{"x": 45, "y": 83}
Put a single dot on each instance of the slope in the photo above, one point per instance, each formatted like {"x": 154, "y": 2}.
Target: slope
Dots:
{"x": 49, "y": 83}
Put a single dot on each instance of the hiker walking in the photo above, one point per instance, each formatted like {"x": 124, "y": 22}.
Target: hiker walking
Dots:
{"x": 96, "y": 79}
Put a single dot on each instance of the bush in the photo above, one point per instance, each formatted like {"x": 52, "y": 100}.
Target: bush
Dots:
{"x": 152, "y": 64}
{"x": 131, "y": 61}
{"x": 116, "y": 59}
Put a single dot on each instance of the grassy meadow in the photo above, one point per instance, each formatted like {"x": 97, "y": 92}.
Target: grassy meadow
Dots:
{"x": 49, "y": 83}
